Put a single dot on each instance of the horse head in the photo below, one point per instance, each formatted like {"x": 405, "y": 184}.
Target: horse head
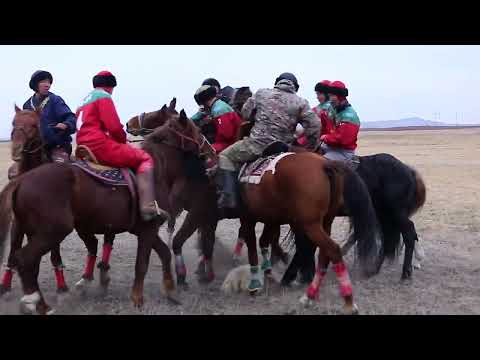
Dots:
{"x": 145, "y": 123}
{"x": 25, "y": 134}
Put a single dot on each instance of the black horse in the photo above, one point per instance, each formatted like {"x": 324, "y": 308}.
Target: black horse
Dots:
{"x": 397, "y": 192}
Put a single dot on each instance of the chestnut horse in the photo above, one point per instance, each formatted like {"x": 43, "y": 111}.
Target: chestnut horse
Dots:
{"x": 52, "y": 199}
{"x": 27, "y": 148}
{"x": 307, "y": 206}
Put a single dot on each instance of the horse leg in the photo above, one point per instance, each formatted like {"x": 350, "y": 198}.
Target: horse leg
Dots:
{"x": 251, "y": 240}
{"x": 91, "y": 242}
{"x": 208, "y": 243}
{"x": 104, "y": 264}
{"x": 165, "y": 256}
{"x": 270, "y": 235}
{"x": 237, "y": 250}
{"x": 190, "y": 224}
{"x": 171, "y": 229}
{"x": 57, "y": 263}
{"x": 330, "y": 252}
{"x": 16, "y": 239}
{"x": 28, "y": 262}
{"x": 144, "y": 248}
{"x": 409, "y": 235}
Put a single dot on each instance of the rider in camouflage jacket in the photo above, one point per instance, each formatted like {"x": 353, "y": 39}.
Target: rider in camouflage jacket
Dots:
{"x": 275, "y": 113}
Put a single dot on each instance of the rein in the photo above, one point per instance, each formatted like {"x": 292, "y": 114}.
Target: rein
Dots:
{"x": 26, "y": 150}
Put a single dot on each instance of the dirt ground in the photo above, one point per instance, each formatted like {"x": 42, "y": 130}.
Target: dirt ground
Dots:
{"x": 449, "y": 226}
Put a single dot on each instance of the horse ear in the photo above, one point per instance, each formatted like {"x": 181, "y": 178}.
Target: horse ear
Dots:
{"x": 172, "y": 105}
{"x": 183, "y": 120}
{"x": 17, "y": 109}
{"x": 164, "y": 108}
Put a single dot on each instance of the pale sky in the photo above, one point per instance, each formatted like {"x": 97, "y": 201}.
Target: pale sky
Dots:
{"x": 384, "y": 82}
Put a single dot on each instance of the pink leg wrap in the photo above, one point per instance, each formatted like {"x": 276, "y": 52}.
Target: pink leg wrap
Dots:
{"x": 7, "y": 279}
{"x": 209, "y": 269}
{"x": 180, "y": 267}
{"x": 89, "y": 267}
{"x": 107, "y": 250}
{"x": 60, "y": 277}
{"x": 314, "y": 287}
{"x": 343, "y": 279}
{"x": 238, "y": 247}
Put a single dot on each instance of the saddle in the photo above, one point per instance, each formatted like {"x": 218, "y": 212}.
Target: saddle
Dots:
{"x": 252, "y": 172}
{"x": 85, "y": 160}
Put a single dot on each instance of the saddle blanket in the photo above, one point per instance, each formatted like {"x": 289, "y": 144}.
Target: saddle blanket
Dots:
{"x": 253, "y": 172}
{"x": 109, "y": 176}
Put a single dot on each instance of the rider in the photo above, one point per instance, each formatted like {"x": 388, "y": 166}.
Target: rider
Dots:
{"x": 224, "y": 119}
{"x": 341, "y": 141}
{"x": 275, "y": 113}
{"x": 100, "y": 129}
{"x": 224, "y": 94}
{"x": 324, "y": 111}
{"x": 57, "y": 121}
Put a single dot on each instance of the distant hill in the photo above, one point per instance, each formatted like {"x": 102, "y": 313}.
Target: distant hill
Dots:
{"x": 407, "y": 122}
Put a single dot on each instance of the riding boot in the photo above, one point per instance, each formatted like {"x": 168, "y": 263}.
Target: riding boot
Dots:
{"x": 227, "y": 183}
{"x": 146, "y": 193}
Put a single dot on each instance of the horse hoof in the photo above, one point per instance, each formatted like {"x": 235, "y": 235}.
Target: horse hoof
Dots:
{"x": 137, "y": 301}
{"x": 172, "y": 298}
{"x": 83, "y": 284}
{"x": 417, "y": 266}
{"x": 181, "y": 280}
{"x": 351, "y": 310}
{"x": 206, "y": 278}
{"x": 28, "y": 303}
{"x": 305, "y": 301}
{"x": 104, "y": 280}
{"x": 254, "y": 286}
{"x": 62, "y": 290}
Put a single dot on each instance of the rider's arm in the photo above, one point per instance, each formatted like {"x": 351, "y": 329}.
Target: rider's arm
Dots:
{"x": 65, "y": 115}
{"x": 344, "y": 134}
{"x": 248, "y": 109}
{"x": 108, "y": 115}
{"x": 311, "y": 123}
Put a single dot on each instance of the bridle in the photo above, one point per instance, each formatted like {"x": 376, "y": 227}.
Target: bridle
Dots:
{"x": 29, "y": 144}
{"x": 142, "y": 131}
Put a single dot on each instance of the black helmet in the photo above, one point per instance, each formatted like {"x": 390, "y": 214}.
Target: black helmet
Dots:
{"x": 211, "y": 82}
{"x": 38, "y": 76}
{"x": 205, "y": 93}
{"x": 288, "y": 76}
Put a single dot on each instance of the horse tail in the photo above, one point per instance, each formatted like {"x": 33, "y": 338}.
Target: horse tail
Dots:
{"x": 359, "y": 206}
{"x": 6, "y": 205}
{"x": 420, "y": 193}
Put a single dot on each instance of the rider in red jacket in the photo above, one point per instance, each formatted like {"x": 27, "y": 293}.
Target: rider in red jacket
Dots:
{"x": 100, "y": 129}
{"x": 224, "y": 119}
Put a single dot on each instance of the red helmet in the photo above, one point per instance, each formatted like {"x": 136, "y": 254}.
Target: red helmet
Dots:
{"x": 104, "y": 79}
{"x": 323, "y": 86}
{"x": 338, "y": 88}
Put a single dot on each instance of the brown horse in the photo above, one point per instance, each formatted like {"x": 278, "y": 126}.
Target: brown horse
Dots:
{"x": 286, "y": 198}
{"x": 27, "y": 148}
{"x": 51, "y": 200}
{"x": 192, "y": 192}
{"x": 144, "y": 124}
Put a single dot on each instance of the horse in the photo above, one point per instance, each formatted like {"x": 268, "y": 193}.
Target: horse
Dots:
{"x": 51, "y": 200}
{"x": 307, "y": 206}
{"x": 27, "y": 148}
{"x": 398, "y": 192}
{"x": 180, "y": 187}
{"x": 144, "y": 124}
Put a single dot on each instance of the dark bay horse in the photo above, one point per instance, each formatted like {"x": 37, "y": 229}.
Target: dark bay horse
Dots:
{"x": 52, "y": 199}
{"x": 286, "y": 198}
